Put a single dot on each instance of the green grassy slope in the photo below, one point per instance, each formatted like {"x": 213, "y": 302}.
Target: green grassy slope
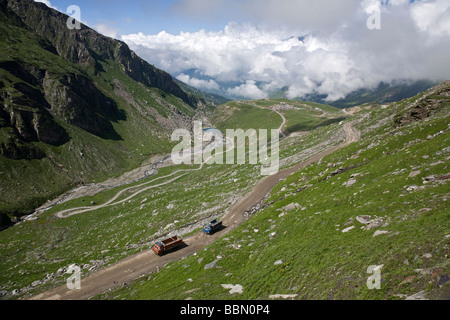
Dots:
{"x": 381, "y": 201}
{"x": 33, "y": 249}
{"x": 235, "y": 115}
{"x": 303, "y": 116}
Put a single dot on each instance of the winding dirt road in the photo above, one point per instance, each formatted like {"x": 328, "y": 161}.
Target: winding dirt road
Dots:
{"x": 147, "y": 262}
{"x": 112, "y": 202}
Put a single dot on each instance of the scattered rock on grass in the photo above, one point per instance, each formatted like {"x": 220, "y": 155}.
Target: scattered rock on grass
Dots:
{"x": 414, "y": 173}
{"x": 348, "y": 229}
{"x": 211, "y": 265}
{"x": 418, "y": 296}
{"x": 380, "y": 232}
{"x": 363, "y": 219}
{"x": 349, "y": 183}
{"x": 233, "y": 288}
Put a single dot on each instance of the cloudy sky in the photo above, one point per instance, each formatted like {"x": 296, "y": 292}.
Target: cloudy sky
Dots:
{"x": 250, "y": 48}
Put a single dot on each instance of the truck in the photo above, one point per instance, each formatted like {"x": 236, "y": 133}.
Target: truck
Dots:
{"x": 212, "y": 227}
{"x": 162, "y": 247}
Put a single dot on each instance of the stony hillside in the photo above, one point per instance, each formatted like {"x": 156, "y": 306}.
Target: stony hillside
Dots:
{"x": 377, "y": 204}
{"x": 121, "y": 220}
{"x": 75, "y": 106}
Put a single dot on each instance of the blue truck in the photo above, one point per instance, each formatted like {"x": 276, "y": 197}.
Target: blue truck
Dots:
{"x": 212, "y": 227}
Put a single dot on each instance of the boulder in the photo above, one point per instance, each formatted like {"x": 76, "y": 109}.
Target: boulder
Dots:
{"x": 349, "y": 183}
{"x": 233, "y": 288}
{"x": 211, "y": 265}
{"x": 364, "y": 219}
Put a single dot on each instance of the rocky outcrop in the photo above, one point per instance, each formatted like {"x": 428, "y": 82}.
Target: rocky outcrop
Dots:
{"x": 76, "y": 100}
{"x": 427, "y": 106}
{"x": 32, "y": 114}
{"x": 16, "y": 149}
{"x": 25, "y": 116}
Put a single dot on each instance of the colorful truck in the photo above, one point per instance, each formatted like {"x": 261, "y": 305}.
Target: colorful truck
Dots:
{"x": 212, "y": 227}
{"x": 163, "y": 246}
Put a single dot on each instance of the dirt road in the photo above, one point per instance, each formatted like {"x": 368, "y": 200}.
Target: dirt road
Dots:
{"x": 147, "y": 262}
{"x": 141, "y": 187}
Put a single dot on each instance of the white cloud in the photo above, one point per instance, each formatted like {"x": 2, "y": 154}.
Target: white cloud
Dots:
{"x": 198, "y": 83}
{"x": 247, "y": 90}
{"x": 302, "y": 57}
{"x": 106, "y": 30}
{"x": 432, "y": 17}
{"x": 225, "y": 55}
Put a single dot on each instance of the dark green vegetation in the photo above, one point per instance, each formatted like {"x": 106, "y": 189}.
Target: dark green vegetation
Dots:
{"x": 379, "y": 202}
{"x": 75, "y": 107}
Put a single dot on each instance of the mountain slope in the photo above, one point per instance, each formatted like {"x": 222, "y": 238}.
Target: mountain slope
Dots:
{"x": 380, "y": 202}
{"x": 75, "y": 106}
{"x": 176, "y": 200}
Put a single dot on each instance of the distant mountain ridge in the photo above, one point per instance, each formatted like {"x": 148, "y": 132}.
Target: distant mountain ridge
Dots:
{"x": 383, "y": 93}
{"x": 210, "y": 97}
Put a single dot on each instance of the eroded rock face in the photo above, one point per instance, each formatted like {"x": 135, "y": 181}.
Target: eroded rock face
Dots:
{"x": 25, "y": 116}
{"x": 425, "y": 107}
{"x": 30, "y": 108}
{"x": 75, "y": 100}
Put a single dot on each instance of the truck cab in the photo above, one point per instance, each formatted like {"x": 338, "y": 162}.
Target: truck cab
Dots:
{"x": 158, "y": 248}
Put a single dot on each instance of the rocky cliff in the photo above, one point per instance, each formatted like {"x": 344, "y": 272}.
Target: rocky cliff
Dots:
{"x": 86, "y": 47}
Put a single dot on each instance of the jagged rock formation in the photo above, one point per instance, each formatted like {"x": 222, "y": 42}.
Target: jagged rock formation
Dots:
{"x": 86, "y": 47}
